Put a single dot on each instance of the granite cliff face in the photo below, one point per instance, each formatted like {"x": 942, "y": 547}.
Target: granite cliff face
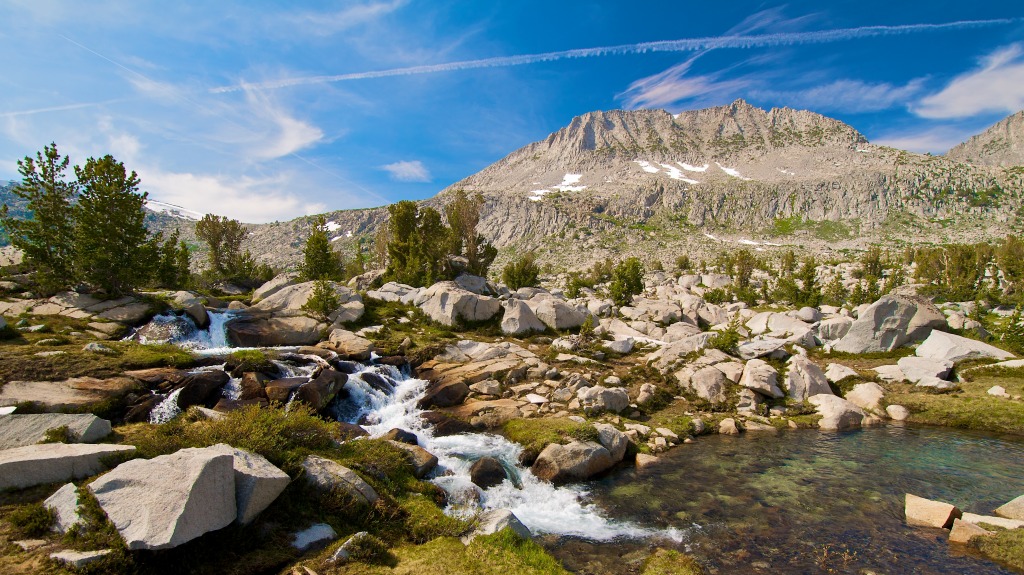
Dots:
{"x": 1000, "y": 145}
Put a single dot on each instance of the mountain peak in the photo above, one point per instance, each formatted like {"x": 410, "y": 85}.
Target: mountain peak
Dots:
{"x": 1000, "y": 145}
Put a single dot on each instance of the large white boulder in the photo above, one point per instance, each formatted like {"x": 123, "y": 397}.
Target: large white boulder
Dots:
{"x": 64, "y": 505}
{"x": 760, "y": 376}
{"x": 836, "y": 413}
{"x": 19, "y": 430}
{"x": 288, "y": 301}
{"x": 258, "y": 482}
{"x": 833, "y": 328}
{"x": 836, "y": 372}
{"x": 449, "y": 304}
{"x": 805, "y": 379}
{"x": 918, "y": 369}
{"x": 23, "y": 467}
{"x": 613, "y": 440}
{"x": 575, "y": 461}
{"x": 275, "y": 285}
{"x": 519, "y": 319}
{"x": 169, "y": 500}
{"x": 709, "y": 383}
{"x": 599, "y": 398}
{"x": 948, "y": 347}
{"x": 890, "y": 322}
{"x": 556, "y": 313}
{"x": 867, "y": 395}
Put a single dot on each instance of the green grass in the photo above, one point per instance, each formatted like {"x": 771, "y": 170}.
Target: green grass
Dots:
{"x": 535, "y": 434}
{"x": 18, "y": 361}
{"x": 284, "y": 438}
{"x": 426, "y": 521}
{"x": 970, "y": 408}
{"x": 1006, "y": 547}
{"x": 667, "y": 562}
{"x": 503, "y": 553}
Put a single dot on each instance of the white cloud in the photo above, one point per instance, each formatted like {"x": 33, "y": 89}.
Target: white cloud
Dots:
{"x": 328, "y": 23}
{"x": 932, "y": 140}
{"x": 671, "y": 87}
{"x": 405, "y": 171}
{"x": 996, "y": 86}
{"x": 279, "y": 133}
{"x": 851, "y": 96}
{"x": 251, "y": 200}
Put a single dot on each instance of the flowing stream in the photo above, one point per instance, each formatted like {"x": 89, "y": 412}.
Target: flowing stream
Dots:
{"x": 789, "y": 502}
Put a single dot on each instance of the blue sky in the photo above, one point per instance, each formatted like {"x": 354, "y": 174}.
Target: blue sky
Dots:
{"x": 265, "y": 111}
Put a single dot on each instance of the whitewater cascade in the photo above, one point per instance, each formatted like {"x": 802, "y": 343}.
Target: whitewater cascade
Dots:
{"x": 381, "y": 398}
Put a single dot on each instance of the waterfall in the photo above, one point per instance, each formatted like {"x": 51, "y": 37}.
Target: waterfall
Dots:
{"x": 167, "y": 409}
{"x": 382, "y": 398}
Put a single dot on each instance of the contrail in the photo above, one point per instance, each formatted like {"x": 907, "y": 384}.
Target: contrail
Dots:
{"x": 64, "y": 108}
{"x": 684, "y": 45}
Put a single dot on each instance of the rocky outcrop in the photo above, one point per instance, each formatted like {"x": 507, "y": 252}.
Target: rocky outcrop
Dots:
{"x": 836, "y": 412}
{"x": 891, "y": 322}
{"x": 556, "y": 313}
{"x": 942, "y": 346}
{"x": 519, "y": 319}
{"x": 257, "y": 481}
{"x": 249, "y": 330}
{"x": 77, "y": 393}
{"x": 288, "y": 302}
{"x": 29, "y": 429}
{"x": 449, "y": 304}
{"x": 327, "y": 475}
{"x": 275, "y": 285}
{"x": 760, "y": 376}
{"x": 805, "y": 379}
{"x": 64, "y": 505}
{"x": 348, "y": 345}
{"x": 23, "y": 467}
{"x": 163, "y": 502}
{"x": 600, "y": 399}
{"x": 999, "y": 145}
{"x": 574, "y": 461}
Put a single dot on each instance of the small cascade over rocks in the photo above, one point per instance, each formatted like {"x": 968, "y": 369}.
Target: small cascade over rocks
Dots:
{"x": 382, "y": 398}
{"x": 181, "y": 330}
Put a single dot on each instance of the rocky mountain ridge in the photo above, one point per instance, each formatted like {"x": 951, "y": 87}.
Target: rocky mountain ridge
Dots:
{"x": 1001, "y": 145}
{"x": 648, "y": 183}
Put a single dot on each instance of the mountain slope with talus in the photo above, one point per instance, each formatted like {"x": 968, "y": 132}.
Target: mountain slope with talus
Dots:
{"x": 1001, "y": 145}
{"x": 649, "y": 183}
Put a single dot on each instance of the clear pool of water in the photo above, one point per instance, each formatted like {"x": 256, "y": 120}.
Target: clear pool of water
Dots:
{"x": 809, "y": 502}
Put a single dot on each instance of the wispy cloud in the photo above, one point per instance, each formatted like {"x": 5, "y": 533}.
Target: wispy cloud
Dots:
{"x": 851, "y": 96}
{"x": 997, "y": 85}
{"x": 408, "y": 171}
{"x": 684, "y": 45}
{"x": 281, "y": 134}
{"x": 665, "y": 89}
{"x": 64, "y": 108}
{"x": 328, "y": 23}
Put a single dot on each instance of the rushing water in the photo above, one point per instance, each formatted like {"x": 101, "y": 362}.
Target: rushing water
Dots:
{"x": 793, "y": 502}
{"x": 381, "y": 398}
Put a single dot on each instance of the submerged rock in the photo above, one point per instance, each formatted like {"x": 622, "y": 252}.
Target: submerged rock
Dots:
{"x": 487, "y": 472}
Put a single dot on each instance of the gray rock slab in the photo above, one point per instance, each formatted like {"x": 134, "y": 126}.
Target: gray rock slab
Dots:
{"x": 20, "y": 430}
{"x": 169, "y": 500}
{"x": 23, "y": 467}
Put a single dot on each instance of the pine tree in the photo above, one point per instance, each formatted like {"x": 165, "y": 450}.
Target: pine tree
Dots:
{"x": 172, "y": 269}
{"x": 48, "y": 237}
{"x": 463, "y": 215}
{"x": 323, "y": 301}
{"x": 114, "y": 250}
{"x": 627, "y": 281}
{"x": 319, "y": 260}
{"x": 223, "y": 236}
{"x": 521, "y": 272}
